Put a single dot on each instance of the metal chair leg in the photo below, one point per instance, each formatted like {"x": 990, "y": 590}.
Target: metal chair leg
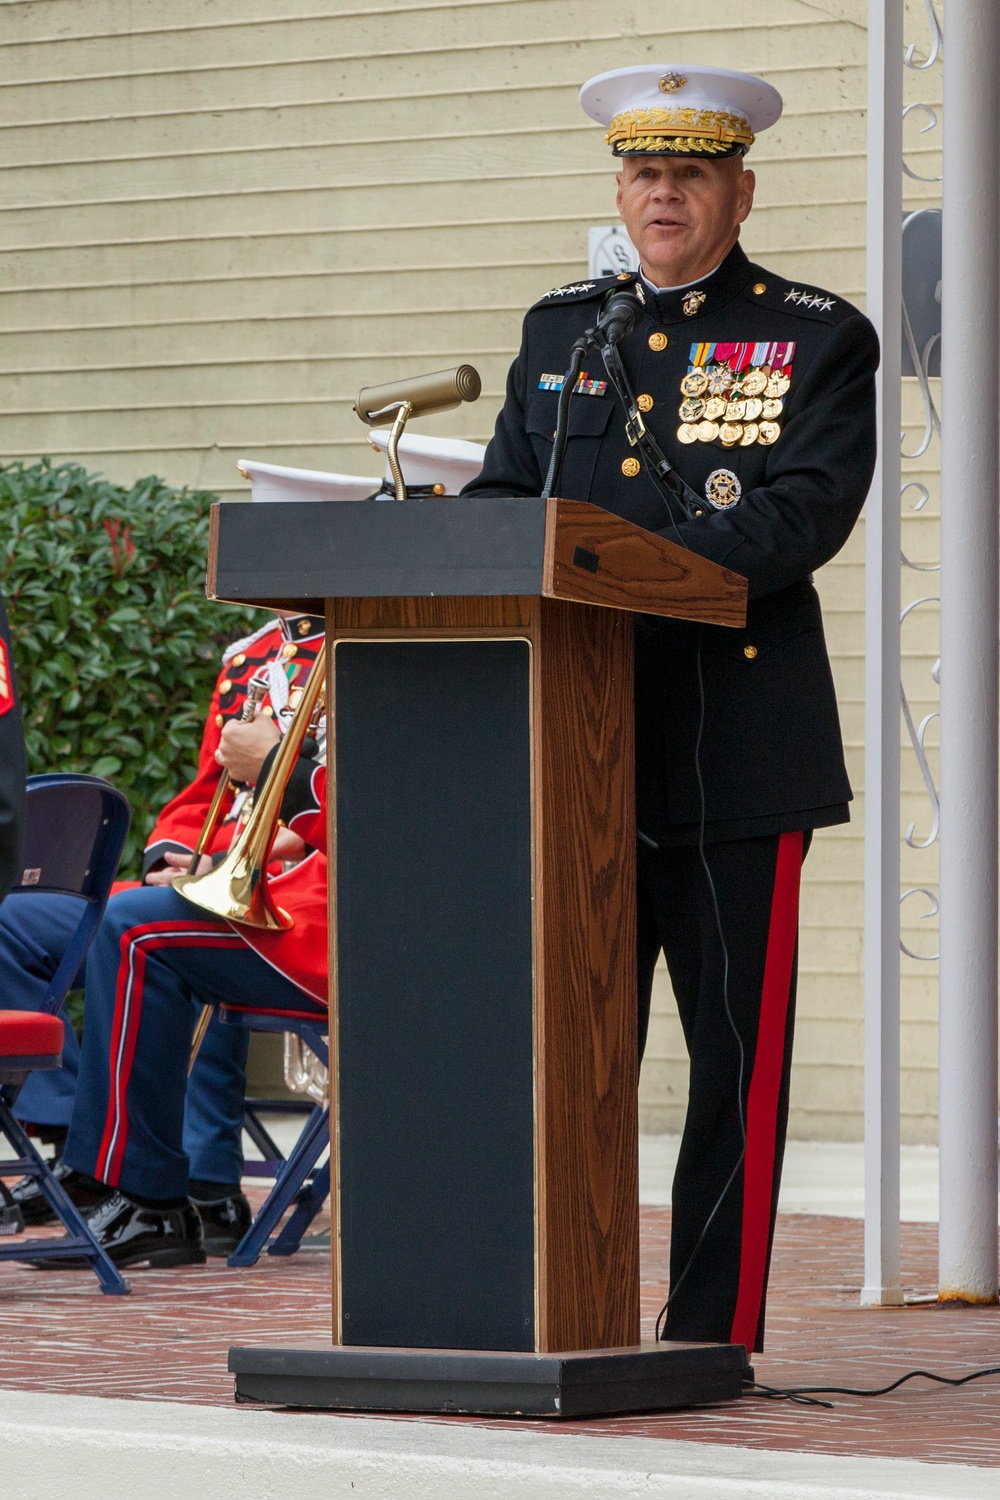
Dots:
{"x": 307, "y": 1205}
{"x": 308, "y": 1148}
{"x": 80, "y": 1235}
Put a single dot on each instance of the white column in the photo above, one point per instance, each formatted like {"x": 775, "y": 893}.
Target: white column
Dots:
{"x": 969, "y": 616}
{"x": 882, "y": 718}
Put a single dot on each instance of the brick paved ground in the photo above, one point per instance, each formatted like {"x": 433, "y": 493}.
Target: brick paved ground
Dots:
{"x": 168, "y": 1341}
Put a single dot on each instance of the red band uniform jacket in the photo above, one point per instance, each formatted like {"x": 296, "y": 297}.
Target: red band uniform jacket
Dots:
{"x": 287, "y": 646}
{"x": 782, "y": 486}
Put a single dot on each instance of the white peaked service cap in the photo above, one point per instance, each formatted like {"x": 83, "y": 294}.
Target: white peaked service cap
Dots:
{"x": 450, "y": 462}
{"x": 676, "y": 109}
{"x": 273, "y": 482}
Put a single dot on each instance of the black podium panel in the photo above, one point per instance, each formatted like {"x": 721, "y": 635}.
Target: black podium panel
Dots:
{"x": 435, "y": 993}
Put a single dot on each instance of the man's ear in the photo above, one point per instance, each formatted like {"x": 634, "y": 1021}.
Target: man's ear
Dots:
{"x": 618, "y": 194}
{"x": 748, "y": 183}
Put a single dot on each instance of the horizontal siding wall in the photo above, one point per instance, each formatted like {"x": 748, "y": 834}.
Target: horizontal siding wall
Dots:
{"x": 219, "y": 220}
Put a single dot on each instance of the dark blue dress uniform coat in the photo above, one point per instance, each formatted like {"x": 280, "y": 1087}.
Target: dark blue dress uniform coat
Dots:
{"x": 771, "y": 754}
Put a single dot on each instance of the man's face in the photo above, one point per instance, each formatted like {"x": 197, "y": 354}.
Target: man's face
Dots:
{"x": 683, "y": 213}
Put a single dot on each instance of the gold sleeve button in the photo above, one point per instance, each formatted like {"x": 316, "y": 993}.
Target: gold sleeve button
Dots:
{"x": 750, "y": 652}
{"x": 657, "y": 341}
{"x": 630, "y": 467}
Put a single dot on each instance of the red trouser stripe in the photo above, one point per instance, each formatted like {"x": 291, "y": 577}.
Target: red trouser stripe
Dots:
{"x": 135, "y": 943}
{"x": 765, "y": 1089}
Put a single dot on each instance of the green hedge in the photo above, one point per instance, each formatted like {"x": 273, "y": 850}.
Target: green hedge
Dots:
{"x": 116, "y": 646}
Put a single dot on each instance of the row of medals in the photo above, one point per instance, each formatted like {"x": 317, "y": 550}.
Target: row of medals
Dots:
{"x": 735, "y": 408}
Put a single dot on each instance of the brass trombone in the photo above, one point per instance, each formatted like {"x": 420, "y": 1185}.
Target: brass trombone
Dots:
{"x": 256, "y": 692}
{"x": 237, "y": 889}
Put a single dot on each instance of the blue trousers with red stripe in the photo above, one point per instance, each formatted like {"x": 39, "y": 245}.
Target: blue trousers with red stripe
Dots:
{"x": 35, "y": 929}
{"x": 718, "y": 1275}
{"x": 153, "y": 954}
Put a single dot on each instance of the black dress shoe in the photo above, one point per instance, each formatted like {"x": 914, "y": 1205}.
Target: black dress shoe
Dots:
{"x": 225, "y": 1221}
{"x": 34, "y": 1206}
{"x": 134, "y": 1236}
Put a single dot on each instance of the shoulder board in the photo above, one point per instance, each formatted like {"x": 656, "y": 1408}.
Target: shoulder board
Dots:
{"x": 585, "y": 291}
{"x": 249, "y": 640}
{"x": 798, "y": 299}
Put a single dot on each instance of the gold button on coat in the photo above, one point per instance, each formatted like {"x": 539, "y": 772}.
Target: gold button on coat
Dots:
{"x": 644, "y": 402}
{"x": 657, "y": 341}
{"x": 267, "y": 711}
{"x": 289, "y": 650}
{"x": 630, "y": 467}
{"x": 219, "y": 721}
{"x": 304, "y": 627}
{"x": 759, "y": 287}
{"x": 239, "y": 659}
{"x": 225, "y": 686}
{"x": 749, "y": 652}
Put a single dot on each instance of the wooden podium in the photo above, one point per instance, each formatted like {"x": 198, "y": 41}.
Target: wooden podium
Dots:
{"x": 483, "y": 1084}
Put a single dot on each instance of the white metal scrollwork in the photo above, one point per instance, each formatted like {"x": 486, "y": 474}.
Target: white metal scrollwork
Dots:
{"x": 921, "y": 363}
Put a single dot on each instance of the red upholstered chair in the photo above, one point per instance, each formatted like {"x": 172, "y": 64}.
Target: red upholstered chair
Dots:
{"x": 29, "y": 1040}
{"x": 75, "y": 828}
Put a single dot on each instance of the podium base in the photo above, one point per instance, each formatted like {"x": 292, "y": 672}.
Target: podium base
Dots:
{"x": 585, "y": 1383}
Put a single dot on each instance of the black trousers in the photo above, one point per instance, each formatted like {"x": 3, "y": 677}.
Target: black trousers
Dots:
{"x": 729, "y": 1168}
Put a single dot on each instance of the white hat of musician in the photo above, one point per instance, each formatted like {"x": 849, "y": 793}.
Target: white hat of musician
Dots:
{"x": 431, "y": 465}
{"x": 275, "y": 482}
{"x": 676, "y": 109}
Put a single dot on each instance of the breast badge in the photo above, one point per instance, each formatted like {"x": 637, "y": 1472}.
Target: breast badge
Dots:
{"x": 729, "y": 389}
{"x": 722, "y": 489}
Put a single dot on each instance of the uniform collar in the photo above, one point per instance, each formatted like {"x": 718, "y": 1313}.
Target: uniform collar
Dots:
{"x": 302, "y": 628}
{"x": 689, "y": 303}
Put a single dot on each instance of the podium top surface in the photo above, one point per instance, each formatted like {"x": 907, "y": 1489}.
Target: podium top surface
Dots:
{"x": 298, "y": 554}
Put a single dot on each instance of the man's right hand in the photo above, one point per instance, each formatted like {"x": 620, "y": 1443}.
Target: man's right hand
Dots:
{"x": 243, "y": 748}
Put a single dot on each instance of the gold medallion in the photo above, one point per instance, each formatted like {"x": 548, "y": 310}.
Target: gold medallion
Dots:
{"x": 644, "y": 402}
{"x": 630, "y": 467}
{"x": 751, "y": 432}
{"x": 694, "y": 383}
{"x": 722, "y": 489}
{"x": 778, "y": 384}
{"x": 657, "y": 341}
{"x": 772, "y": 407}
{"x": 687, "y": 432}
{"x": 769, "y": 433}
{"x": 754, "y": 407}
{"x": 754, "y": 383}
{"x": 730, "y": 433}
{"x": 715, "y": 407}
{"x": 708, "y": 431}
{"x": 692, "y": 409}
{"x": 736, "y": 411}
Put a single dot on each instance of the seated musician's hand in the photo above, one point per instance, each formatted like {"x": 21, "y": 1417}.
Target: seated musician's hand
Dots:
{"x": 287, "y": 845}
{"x": 176, "y": 864}
{"x": 243, "y": 748}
